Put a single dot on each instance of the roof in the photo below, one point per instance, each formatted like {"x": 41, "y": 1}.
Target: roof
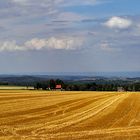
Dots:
{"x": 58, "y": 87}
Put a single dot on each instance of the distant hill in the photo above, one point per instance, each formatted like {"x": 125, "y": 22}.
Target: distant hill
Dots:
{"x": 32, "y": 79}
{"x": 131, "y": 74}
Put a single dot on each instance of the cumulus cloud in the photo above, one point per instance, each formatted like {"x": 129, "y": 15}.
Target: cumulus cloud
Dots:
{"x": 65, "y": 43}
{"x": 35, "y": 43}
{"x": 10, "y": 46}
{"x": 118, "y": 23}
{"x": 69, "y": 43}
{"x": 53, "y": 43}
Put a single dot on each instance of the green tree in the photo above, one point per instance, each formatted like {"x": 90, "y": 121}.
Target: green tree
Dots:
{"x": 52, "y": 84}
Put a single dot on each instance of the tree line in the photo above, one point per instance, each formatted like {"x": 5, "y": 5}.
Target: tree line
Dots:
{"x": 92, "y": 86}
{"x": 51, "y": 84}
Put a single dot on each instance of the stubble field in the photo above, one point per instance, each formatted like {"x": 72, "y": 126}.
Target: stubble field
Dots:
{"x": 41, "y": 115}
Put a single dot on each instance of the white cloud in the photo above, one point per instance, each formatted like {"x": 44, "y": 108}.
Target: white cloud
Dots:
{"x": 21, "y": 2}
{"x": 107, "y": 47}
{"x": 136, "y": 30}
{"x": 79, "y": 2}
{"x": 10, "y": 46}
{"x": 62, "y": 2}
{"x": 118, "y": 22}
{"x": 35, "y": 43}
{"x": 69, "y": 16}
{"x": 53, "y": 43}
{"x": 65, "y": 43}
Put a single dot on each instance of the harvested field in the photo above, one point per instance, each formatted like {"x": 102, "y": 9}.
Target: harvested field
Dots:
{"x": 41, "y": 115}
{"x": 15, "y": 87}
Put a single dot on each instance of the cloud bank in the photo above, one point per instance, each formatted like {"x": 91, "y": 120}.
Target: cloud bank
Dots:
{"x": 52, "y": 43}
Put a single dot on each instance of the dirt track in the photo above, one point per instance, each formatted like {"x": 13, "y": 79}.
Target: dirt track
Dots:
{"x": 37, "y": 115}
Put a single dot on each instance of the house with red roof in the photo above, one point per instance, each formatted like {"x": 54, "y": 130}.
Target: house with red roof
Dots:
{"x": 58, "y": 87}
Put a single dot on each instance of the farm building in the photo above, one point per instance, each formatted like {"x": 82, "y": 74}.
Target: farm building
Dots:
{"x": 58, "y": 87}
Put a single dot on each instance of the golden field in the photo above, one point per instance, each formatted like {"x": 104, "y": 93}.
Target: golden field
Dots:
{"x": 43, "y": 115}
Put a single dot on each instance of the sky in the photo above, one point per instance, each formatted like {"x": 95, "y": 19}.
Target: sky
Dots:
{"x": 69, "y": 36}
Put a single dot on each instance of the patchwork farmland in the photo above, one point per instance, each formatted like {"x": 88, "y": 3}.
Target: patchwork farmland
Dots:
{"x": 54, "y": 115}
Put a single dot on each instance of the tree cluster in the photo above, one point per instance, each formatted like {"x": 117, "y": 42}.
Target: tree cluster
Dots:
{"x": 51, "y": 84}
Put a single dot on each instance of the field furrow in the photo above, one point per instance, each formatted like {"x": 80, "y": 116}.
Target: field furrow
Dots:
{"x": 69, "y": 115}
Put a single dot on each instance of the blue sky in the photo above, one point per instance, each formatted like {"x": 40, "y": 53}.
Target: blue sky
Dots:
{"x": 69, "y": 36}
